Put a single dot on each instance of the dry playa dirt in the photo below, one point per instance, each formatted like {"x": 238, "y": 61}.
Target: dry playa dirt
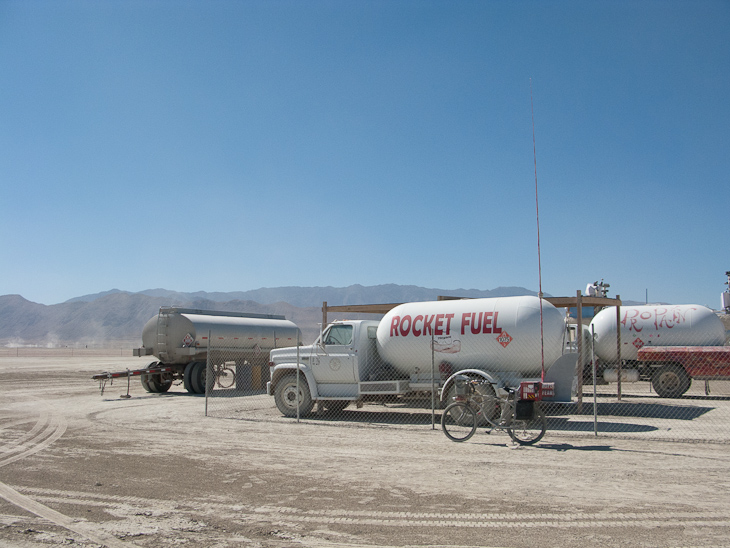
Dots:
{"x": 83, "y": 469}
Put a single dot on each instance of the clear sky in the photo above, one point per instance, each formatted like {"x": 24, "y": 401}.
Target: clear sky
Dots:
{"x": 233, "y": 145}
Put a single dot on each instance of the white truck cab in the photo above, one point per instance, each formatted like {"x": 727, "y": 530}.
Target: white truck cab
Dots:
{"x": 341, "y": 366}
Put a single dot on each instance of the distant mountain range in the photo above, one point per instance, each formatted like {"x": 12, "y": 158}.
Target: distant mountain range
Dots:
{"x": 117, "y": 317}
{"x": 315, "y": 296}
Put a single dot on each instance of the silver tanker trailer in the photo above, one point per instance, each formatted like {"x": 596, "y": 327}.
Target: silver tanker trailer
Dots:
{"x": 184, "y": 340}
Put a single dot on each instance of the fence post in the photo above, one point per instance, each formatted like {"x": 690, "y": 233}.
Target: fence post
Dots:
{"x": 433, "y": 386}
{"x": 208, "y": 371}
{"x": 618, "y": 345}
{"x": 593, "y": 366}
{"x": 579, "y": 336}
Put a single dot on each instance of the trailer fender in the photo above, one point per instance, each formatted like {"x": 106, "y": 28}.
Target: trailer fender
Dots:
{"x": 469, "y": 373}
{"x": 283, "y": 369}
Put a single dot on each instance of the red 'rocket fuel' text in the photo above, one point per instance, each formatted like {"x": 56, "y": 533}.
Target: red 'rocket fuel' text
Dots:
{"x": 440, "y": 324}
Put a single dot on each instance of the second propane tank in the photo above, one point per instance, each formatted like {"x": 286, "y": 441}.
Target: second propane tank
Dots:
{"x": 655, "y": 325}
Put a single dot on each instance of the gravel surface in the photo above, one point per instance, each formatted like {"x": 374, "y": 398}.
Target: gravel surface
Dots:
{"x": 84, "y": 469}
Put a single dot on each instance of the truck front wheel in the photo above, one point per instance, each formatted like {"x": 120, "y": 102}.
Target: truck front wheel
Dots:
{"x": 288, "y": 399}
{"x": 670, "y": 381}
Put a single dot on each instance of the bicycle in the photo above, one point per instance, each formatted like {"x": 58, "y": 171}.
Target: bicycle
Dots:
{"x": 224, "y": 375}
{"x": 477, "y": 401}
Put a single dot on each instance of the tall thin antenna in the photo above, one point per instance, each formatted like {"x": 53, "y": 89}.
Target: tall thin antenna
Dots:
{"x": 539, "y": 262}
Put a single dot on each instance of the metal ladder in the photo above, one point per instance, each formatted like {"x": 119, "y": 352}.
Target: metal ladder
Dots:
{"x": 162, "y": 318}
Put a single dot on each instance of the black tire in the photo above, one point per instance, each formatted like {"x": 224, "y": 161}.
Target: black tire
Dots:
{"x": 144, "y": 379}
{"x": 156, "y": 383}
{"x": 285, "y": 396}
{"x": 187, "y": 377}
{"x": 670, "y": 381}
{"x": 527, "y": 432}
{"x": 199, "y": 377}
{"x": 458, "y": 421}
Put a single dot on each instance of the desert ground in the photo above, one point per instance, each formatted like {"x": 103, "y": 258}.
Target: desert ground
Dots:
{"x": 85, "y": 469}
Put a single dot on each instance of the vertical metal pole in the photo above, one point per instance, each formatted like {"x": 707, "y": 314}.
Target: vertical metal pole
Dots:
{"x": 433, "y": 386}
{"x": 579, "y": 335}
{"x": 595, "y": 396}
{"x": 207, "y": 370}
{"x": 298, "y": 402}
{"x": 618, "y": 344}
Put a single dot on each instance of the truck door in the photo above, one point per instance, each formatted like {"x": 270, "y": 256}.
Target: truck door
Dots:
{"x": 334, "y": 361}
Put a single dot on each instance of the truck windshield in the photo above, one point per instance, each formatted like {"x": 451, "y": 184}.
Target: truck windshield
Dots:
{"x": 339, "y": 334}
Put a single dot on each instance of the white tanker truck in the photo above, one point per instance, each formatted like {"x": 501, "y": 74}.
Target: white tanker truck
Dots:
{"x": 668, "y": 345}
{"x": 420, "y": 347}
{"x": 180, "y": 339}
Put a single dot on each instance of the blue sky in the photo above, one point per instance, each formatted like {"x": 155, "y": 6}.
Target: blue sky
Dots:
{"x": 233, "y": 145}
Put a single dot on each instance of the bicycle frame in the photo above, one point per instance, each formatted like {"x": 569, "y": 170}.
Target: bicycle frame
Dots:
{"x": 474, "y": 403}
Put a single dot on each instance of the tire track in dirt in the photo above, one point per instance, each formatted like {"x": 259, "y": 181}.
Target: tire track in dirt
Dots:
{"x": 279, "y": 514}
{"x": 48, "y": 428}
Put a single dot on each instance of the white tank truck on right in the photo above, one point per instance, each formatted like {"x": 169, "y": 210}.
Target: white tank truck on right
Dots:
{"x": 663, "y": 344}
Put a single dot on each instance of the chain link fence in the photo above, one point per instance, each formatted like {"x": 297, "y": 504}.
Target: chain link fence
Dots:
{"x": 664, "y": 375}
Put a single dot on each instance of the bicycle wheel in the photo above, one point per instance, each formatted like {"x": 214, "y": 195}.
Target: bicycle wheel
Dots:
{"x": 459, "y": 422}
{"x": 225, "y": 377}
{"x": 527, "y": 432}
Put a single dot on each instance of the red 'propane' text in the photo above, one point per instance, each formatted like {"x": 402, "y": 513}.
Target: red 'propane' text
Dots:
{"x": 637, "y": 320}
{"x": 440, "y": 324}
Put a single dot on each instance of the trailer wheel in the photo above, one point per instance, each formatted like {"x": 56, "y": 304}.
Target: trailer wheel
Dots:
{"x": 198, "y": 377}
{"x": 670, "y": 381}
{"x": 156, "y": 382}
{"x": 286, "y": 398}
{"x": 145, "y": 379}
{"x": 194, "y": 377}
{"x": 187, "y": 377}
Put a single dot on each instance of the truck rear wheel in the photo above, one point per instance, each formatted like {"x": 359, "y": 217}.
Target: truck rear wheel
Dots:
{"x": 288, "y": 400}
{"x": 670, "y": 381}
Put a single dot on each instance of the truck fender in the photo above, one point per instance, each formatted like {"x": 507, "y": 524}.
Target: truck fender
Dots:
{"x": 285, "y": 368}
{"x": 470, "y": 373}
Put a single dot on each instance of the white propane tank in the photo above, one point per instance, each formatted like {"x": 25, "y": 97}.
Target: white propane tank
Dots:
{"x": 501, "y": 334}
{"x": 655, "y": 325}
